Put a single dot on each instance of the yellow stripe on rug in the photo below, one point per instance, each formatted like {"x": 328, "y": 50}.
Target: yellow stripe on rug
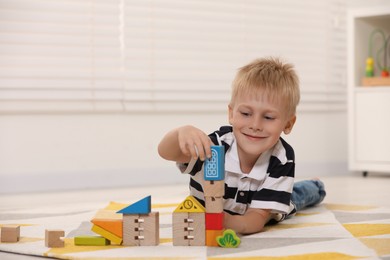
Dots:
{"x": 380, "y": 245}
{"x": 344, "y": 207}
{"x": 363, "y": 230}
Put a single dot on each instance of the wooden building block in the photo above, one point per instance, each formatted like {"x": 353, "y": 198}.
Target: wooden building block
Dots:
{"x": 179, "y": 229}
{"x": 188, "y": 229}
{"x": 229, "y": 239}
{"x": 142, "y": 206}
{"x": 149, "y": 229}
{"x": 141, "y": 229}
{"x": 104, "y": 233}
{"x": 10, "y": 233}
{"x": 211, "y": 237}
{"x": 130, "y": 230}
{"x": 190, "y": 204}
{"x": 197, "y": 229}
{"x": 214, "y": 204}
{"x": 53, "y": 238}
{"x": 214, "y": 168}
{"x": 214, "y": 221}
{"x": 91, "y": 241}
{"x": 114, "y": 226}
{"x": 214, "y": 188}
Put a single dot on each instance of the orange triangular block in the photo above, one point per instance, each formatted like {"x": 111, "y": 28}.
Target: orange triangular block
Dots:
{"x": 114, "y": 226}
{"x": 190, "y": 204}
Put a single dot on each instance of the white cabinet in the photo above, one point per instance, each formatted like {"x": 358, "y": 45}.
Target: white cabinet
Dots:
{"x": 368, "y": 106}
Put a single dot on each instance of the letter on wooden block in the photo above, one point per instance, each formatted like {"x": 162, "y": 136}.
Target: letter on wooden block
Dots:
{"x": 188, "y": 229}
{"x": 10, "y": 233}
{"x": 91, "y": 241}
{"x": 214, "y": 168}
{"x": 53, "y": 238}
{"x": 141, "y": 230}
{"x": 214, "y": 204}
{"x": 214, "y": 188}
{"x": 214, "y": 221}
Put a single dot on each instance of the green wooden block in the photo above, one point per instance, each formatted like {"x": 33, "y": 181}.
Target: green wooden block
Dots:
{"x": 91, "y": 241}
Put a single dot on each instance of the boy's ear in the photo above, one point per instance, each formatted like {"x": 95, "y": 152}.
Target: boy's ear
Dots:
{"x": 289, "y": 125}
{"x": 230, "y": 114}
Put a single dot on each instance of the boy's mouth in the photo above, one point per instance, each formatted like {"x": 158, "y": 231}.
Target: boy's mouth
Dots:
{"x": 253, "y": 137}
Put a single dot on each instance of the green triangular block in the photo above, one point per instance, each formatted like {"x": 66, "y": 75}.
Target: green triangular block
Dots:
{"x": 142, "y": 206}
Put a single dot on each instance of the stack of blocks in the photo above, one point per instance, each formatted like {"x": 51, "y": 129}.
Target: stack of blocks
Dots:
{"x": 214, "y": 189}
{"x": 137, "y": 227}
{"x": 195, "y": 225}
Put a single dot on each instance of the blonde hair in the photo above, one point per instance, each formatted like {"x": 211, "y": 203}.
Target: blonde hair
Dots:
{"x": 273, "y": 77}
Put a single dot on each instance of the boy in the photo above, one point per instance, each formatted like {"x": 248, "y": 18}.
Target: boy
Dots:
{"x": 259, "y": 164}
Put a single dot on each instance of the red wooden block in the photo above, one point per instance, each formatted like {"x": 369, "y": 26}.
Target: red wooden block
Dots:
{"x": 214, "y": 221}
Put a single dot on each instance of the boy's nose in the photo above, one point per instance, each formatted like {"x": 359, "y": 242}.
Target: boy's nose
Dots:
{"x": 257, "y": 125}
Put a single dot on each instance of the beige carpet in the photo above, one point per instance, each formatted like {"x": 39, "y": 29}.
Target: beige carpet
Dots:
{"x": 328, "y": 231}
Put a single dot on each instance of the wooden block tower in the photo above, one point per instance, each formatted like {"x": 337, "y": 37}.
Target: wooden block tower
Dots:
{"x": 195, "y": 225}
{"x": 189, "y": 223}
{"x": 140, "y": 225}
{"x": 214, "y": 189}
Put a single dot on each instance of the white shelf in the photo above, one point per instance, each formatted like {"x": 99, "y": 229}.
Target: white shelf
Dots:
{"x": 368, "y": 106}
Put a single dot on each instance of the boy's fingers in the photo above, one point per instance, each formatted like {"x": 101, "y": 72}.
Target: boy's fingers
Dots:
{"x": 208, "y": 147}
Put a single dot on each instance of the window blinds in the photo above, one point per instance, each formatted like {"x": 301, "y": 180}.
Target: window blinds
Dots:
{"x": 162, "y": 55}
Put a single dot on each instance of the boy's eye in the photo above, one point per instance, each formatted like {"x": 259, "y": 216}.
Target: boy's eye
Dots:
{"x": 269, "y": 117}
{"x": 245, "y": 113}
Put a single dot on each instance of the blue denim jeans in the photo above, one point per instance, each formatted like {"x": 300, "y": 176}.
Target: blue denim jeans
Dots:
{"x": 307, "y": 193}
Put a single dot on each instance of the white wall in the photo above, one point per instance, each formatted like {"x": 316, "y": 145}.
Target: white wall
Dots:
{"x": 60, "y": 137}
{"x": 46, "y": 152}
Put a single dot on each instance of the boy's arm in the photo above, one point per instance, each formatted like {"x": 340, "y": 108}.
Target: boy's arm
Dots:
{"x": 182, "y": 143}
{"x": 252, "y": 221}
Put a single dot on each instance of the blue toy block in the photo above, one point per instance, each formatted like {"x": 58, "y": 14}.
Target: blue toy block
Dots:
{"x": 142, "y": 206}
{"x": 214, "y": 168}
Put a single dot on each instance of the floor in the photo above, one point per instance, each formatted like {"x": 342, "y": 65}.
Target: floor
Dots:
{"x": 346, "y": 189}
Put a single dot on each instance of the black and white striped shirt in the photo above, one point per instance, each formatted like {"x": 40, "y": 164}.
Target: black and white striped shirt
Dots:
{"x": 267, "y": 186}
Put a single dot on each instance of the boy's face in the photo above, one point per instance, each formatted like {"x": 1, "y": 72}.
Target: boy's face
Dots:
{"x": 258, "y": 122}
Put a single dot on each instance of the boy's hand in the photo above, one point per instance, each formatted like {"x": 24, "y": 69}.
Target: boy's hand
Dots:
{"x": 194, "y": 142}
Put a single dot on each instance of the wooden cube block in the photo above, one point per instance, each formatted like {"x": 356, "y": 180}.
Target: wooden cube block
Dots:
{"x": 53, "y": 238}
{"x": 141, "y": 229}
{"x": 10, "y": 233}
{"x": 214, "y": 188}
{"x": 214, "y": 221}
{"x": 214, "y": 204}
{"x": 188, "y": 229}
{"x": 211, "y": 237}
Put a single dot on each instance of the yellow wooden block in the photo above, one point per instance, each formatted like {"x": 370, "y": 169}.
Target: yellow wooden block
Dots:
{"x": 190, "y": 204}
{"x": 115, "y": 226}
{"x": 104, "y": 233}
